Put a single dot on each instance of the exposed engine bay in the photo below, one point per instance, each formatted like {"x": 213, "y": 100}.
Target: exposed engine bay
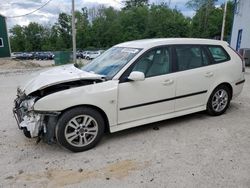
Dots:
{"x": 41, "y": 124}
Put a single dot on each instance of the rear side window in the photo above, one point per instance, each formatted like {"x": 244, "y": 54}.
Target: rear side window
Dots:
{"x": 190, "y": 57}
{"x": 219, "y": 54}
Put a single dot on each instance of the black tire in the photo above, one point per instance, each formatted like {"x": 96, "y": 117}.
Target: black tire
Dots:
{"x": 26, "y": 132}
{"x": 66, "y": 117}
{"x": 210, "y": 109}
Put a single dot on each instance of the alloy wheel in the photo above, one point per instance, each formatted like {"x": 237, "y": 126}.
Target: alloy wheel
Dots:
{"x": 81, "y": 130}
{"x": 220, "y": 100}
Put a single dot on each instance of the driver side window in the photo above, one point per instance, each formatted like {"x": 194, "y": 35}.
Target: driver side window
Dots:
{"x": 154, "y": 63}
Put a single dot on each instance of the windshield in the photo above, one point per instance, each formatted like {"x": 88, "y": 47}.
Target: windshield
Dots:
{"x": 111, "y": 61}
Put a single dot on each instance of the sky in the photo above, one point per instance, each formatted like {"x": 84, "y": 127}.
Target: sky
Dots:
{"x": 49, "y": 13}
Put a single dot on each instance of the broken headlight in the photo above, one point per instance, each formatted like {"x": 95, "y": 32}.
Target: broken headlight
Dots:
{"x": 28, "y": 104}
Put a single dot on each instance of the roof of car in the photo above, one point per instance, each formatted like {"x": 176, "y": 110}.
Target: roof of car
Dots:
{"x": 148, "y": 43}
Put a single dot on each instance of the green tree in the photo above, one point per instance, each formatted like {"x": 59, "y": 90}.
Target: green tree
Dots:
{"x": 203, "y": 8}
{"x": 64, "y": 31}
{"x": 105, "y": 29}
{"x": 197, "y": 4}
{"x": 34, "y": 34}
{"x": 209, "y": 25}
{"x": 229, "y": 19}
{"x": 49, "y": 38}
{"x": 134, "y": 22}
{"x": 17, "y": 38}
{"x": 82, "y": 28}
{"x": 166, "y": 22}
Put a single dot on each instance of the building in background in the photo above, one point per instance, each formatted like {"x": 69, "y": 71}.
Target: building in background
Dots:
{"x": 241, "y": 25}
{"x": 4, "y": 39}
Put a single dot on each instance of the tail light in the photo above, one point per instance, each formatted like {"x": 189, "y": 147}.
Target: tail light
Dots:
{"x": 242, "y": 59}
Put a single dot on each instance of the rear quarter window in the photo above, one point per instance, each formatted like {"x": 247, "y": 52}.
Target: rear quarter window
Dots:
{"x": 218, "y": 54}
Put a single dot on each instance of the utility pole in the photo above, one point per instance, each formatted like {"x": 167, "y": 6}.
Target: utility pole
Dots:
{"x": 73, "y": 31}
{"x": 224, "y": 21}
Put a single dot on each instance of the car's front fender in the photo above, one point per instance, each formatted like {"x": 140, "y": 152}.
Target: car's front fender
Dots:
{"x": 102, "y": 95}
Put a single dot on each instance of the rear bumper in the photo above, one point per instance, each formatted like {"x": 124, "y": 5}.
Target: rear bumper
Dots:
{"x": 240, "y": 82}
{"x": 237, "y": 88}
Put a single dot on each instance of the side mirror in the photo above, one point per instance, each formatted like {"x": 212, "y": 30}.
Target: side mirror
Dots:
{"x": 136, "y": 76}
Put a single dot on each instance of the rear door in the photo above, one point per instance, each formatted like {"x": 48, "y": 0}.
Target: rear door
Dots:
{"x": 194, "y": 77}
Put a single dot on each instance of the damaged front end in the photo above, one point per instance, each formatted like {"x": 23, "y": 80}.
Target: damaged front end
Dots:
{"x": 33, "y": 124}
{"x": 41, "y": 124}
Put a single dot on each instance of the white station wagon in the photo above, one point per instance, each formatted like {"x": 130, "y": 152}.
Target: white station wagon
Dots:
{"x": 131, "y": 84}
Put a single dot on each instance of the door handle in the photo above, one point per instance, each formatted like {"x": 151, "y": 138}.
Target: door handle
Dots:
{"x": 209, "y": 74}
{"x": 168, "y": 82}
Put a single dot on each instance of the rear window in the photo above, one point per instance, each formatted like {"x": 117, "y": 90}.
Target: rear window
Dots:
{"x": 219, "y": 54}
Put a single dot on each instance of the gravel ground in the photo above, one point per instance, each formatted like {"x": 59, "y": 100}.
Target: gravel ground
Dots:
{"x": 191, "y": 151}
{"x": 8, "y": 65}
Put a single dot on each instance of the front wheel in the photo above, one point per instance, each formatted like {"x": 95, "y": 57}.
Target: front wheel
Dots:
{"x": 80, "y": 129}
{"x": 219, "y": 101}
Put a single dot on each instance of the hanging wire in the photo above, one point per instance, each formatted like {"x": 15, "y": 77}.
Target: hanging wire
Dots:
{"x": 31, "y": 11}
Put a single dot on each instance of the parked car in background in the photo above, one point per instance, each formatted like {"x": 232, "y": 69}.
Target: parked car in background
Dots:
{"x": 32, "y": 55}
{"x": 84, "y": 54}
{"x": 51, "y": 55}
{"x": 79, "y": 55}
{"x": 23, "y": 55}
{"x": 16, "y": 55}
{"x": 131, "y": 84}
{"x": 44, "y": 56}
{"x": 28, "y": 55}
{"x": 92, "y": 55}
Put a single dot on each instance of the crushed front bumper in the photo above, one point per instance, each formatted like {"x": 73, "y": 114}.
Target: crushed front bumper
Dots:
{"x": 32, "y": 122}
{"x": 35, "y": 123}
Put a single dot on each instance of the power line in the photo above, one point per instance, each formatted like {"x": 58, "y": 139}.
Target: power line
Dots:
{"x": 30, "y": 12}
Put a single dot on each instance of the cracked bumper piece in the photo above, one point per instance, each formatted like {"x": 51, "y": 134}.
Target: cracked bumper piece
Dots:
{"x": 33, "y": 124}
{"x": 38, "y": 124}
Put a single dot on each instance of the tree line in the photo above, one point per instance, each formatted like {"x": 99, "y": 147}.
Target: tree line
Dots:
{"x": 103, "y": 27}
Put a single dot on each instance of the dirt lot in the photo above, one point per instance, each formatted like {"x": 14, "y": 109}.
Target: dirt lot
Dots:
{"x": 192, "y": 151}
{"x": 8, "y": 65}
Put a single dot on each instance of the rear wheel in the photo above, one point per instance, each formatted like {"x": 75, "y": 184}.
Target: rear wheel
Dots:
{"x": 80, "y": 129}
{"x": 219, "y": 100}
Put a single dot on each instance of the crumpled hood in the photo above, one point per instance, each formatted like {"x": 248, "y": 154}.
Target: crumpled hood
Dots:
{"x": 55, "y": 76}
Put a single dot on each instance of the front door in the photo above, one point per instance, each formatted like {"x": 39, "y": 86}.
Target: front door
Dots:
{"x": 153, "y": 96}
